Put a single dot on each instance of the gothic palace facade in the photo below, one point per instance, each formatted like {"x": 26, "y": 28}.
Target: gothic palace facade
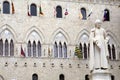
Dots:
{"x": 38, "y": 38}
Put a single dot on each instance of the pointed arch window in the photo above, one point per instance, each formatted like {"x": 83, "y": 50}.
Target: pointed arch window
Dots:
{"x": 106, "y": 15}
{"x": 83, "y": 11}
{"x": 109, "y": 50}
{"x": 80, "y": 46}
{"x": 60, "y": 50}
{"x": 85, "y": 51}
{"x": 34, "y": 77}
{"x": 34, "y": 49}
{"x": 39, "y": 49}
{"x": 59, "y": 12}
{"x": 6, "y": 7}
{"x": 88, "y": 49}
{"x": 29, "y": 48}
{"x": 1, "y": 47}
{"x": 65, "y": 50}
{"x": 6, "y": 47}
{"x": 11, "y": 48}
{"x": 113, "y": 52}
{"x": 55, "y": 50}
{"x": 61, "y": 77}
{"x": 33, "y": 10}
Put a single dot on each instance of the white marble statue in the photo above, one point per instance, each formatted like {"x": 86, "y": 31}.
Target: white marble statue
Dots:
{"x": 98, "y": 48}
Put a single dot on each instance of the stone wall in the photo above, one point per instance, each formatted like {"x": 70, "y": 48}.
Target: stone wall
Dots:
{"x": 48, "y": 26}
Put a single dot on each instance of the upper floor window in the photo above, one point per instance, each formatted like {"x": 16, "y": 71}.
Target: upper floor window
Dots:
{"x": 39, "y": 49}
{"x": 34, "y": 50}
{"x": 83, "y": 12}
{"x": 112, "y": 48}
{"x": 1, "y": 47}
{"x": 11, "y": 48}
{"x": 85, "y": 51}
{"x": 113, "y": 52}
{"x": 106, "y": 16}
{"x": 6, "y": 7}
{"x": 84, "y": 45}
{"x": 109, "y": 50}
{"x": 65, "y": 50}
{"x": 33, "y": 10}
{"x": 6, "y": 47}
{"x": 55, "y": 50}
{"x": 60, "y": 50}
{"x": 29, "y": 48}
{"x": 59, "y": 12}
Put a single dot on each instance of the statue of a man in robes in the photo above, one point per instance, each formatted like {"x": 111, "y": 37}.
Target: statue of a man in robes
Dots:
{"x": 98, "y": 48}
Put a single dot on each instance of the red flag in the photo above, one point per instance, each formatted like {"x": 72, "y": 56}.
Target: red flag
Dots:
{"x": 28, "y": 11}
{"x": 22, "y": 52}
{"x": 13, "y": 10}
{"x": 66, "y": 12}
{"x": 40, "y": 11}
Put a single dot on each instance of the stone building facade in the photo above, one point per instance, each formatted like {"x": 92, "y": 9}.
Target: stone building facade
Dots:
{"x": 38, "y": 38}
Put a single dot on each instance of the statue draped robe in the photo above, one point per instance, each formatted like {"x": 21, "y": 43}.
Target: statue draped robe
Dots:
{"x": 98, "y": 49}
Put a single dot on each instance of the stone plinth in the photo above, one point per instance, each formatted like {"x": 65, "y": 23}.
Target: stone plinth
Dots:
{"x": 100, "y": 75}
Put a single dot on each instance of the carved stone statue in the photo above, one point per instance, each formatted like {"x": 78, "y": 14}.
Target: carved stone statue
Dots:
{"x": 98, "y": 48}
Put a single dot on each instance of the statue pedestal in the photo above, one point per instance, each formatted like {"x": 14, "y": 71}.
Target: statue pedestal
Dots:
{"x": 100, "y": 75}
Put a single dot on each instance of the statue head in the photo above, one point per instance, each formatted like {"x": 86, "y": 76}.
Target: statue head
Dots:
{"x": 98, "y": 23}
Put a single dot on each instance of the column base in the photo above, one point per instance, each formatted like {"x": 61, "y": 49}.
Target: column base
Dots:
{"x": 100, "y": 75}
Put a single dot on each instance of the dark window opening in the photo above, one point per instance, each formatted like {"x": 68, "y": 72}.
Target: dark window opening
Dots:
{"x": 6, "y": 7}
{"x": 33, "y": 10}
{"x": 34, "y": 77}
{"x": 85, "y": 51}
{"x": 109, "y": 50}
{"x": 61, "y": 77}
{"x": 113, "y": 52}
{"x": 106, "y": 15}
{"x": 59, "y": 12}
{"x": 83, "y": 11}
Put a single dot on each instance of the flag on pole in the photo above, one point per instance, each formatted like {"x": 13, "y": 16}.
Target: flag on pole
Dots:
{"x": 28, "y": 11}
{"x": 40, "y": 11}
{"x": 66, "y": 12}
{"x": 89, "y": 14}
{"x": 13, "y": 10}
{"x": 22, "y": 52}
{"x": 80, "y": 16}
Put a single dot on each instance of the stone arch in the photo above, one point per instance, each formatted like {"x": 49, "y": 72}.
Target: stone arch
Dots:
{"x": 114, "y": 42}
{"x": 10, "y": 29}
{"x": 114, "y": 37}
{"x": 60, "y": 30}
{"x": 37, "y": 31}
{"x": 84, "y": 31}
